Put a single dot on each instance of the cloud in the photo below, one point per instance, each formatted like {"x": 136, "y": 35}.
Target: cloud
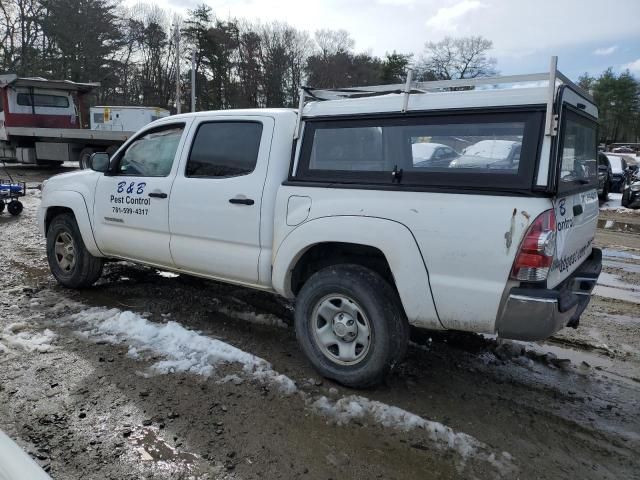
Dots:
{"x": 445, "y": 18}
{"x": 398, "y": 3}
{"x": 605, "y": 50}
{"x": 632, "y": 66}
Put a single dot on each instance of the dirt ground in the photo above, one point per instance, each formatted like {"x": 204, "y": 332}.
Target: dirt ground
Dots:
{"x": 86, "y": 405}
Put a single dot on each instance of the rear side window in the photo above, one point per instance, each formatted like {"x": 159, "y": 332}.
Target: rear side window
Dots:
{"x": 224, "y": 149}
{"x": 579, "y": 153}
{"x": 40, "y": 100}
{"x": 462, "y": 150}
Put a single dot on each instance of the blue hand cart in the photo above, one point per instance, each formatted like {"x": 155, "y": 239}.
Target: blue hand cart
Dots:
{"x": 10, "y": 192}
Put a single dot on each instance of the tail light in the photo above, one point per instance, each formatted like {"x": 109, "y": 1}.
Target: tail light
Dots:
{"x": 537, "y": 249}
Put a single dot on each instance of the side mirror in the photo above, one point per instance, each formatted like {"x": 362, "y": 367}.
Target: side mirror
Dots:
{"x": 99, "y": 162}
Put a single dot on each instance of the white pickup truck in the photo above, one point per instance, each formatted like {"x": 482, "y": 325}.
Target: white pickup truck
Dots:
{"x": 326, "y": 205}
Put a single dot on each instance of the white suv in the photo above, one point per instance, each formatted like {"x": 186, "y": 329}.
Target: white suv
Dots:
{"x": 325, "y": 205}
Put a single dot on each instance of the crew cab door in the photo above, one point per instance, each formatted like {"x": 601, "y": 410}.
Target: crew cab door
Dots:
{"x": 132, "y": 200}
{"x": 576, "y": 203}
{"x": 215, "y": 204}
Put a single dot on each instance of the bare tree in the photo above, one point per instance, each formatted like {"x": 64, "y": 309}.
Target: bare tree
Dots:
{"x": 332, "y": 42}
{"x": 451, "y": 58}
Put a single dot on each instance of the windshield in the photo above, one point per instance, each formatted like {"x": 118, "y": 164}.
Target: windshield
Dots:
{"x": 578, "y": 165}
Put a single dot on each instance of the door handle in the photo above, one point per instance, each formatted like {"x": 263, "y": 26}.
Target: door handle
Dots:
{"x": 241, "y": 201}
{"x": 577, "y": 210}
{"x": 158, "y": 195}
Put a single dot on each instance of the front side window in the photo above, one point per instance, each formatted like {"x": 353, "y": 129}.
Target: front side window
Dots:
{"x": 224, "y": 149}
{"x": 578, "y": 162}
{"x": 41, "y": 100}
{"x": 474, "y": 149}
{"x": 152, "y": 154}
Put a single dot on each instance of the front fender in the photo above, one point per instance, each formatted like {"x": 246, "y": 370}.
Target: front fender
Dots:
{"x": 76, "y": 202}
{"x": 393, "y": 239}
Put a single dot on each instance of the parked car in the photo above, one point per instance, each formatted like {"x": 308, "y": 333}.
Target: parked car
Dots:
{"x": 623, "y": 150}
{"x": 496, "y": 154}
{"x": 619, "y": 167}
{"x": 604, "y": 176}
{"x": 365, "y": 243}
{"x": 631, "y": 189}
{"x": 432, "y": 155}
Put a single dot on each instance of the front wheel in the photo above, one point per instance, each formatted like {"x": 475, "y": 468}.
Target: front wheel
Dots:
{"x": 350, "y": 325}
{"x": 69, "y": 260}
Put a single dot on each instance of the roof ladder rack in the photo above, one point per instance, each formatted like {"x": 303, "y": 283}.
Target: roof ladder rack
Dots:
{"x": 553, "y": 78}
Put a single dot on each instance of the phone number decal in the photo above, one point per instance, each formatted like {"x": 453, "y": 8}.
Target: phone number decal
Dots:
{"x": 127, "y": 199}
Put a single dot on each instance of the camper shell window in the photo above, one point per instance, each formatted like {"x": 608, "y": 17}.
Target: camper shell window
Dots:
{"x": 43, "y": 100}
{"x": 496, "y": 150}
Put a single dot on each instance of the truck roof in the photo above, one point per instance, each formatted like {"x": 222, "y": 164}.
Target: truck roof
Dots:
{"x": 262, "y": 112}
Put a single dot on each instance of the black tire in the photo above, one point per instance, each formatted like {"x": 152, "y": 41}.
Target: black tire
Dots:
{"x": 388, "y": 327}
{"x": 1, "y": 206}
{"x": 625, "y": 198}
{"x": 85, "y": 268}
{"x": 604, "y": 196}
{"x": 15, "y": 207}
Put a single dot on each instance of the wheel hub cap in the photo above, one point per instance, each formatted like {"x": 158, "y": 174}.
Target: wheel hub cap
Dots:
{"x": 345, "y": 327}
{"x": 341, "y": 330}
{"x": 65, "y": 251}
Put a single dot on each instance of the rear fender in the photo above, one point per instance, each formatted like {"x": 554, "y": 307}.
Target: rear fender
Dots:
{"x": 393, "y": 239}
{"x": 76, "y": 202}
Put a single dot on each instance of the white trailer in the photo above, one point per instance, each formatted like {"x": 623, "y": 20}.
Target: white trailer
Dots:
{"x": 121, "y": 119}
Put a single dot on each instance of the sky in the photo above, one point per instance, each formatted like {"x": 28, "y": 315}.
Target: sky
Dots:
{"x": 587, "y": 35}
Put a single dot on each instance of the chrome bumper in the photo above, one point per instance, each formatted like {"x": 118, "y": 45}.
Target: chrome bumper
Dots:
{"x": 535, "y": 313}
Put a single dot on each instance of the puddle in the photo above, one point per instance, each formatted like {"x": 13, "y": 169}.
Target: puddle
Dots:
{"x": 627, "y": 267}
{"x": 617, "y": 293}
{"x": 622, "y": 227}
{"x": 611, "y": 286}
{"x": 610, "y": 280}
{"x": 576, "y": 356}
{"x": 608, "y": 252}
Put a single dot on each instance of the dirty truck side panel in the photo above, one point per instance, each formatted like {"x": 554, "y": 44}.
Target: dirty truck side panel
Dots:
{"x": 468, "y": 255}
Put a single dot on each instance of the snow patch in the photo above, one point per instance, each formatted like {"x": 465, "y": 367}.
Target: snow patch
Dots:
{"x": 165, "y": 274}
{"x": 355, "y": 407}
{"x": 184, "y": 350}
{"x": 19, "y": 335}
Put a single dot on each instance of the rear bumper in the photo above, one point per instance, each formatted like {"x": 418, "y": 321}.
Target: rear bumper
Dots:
{"x": 536, "y": 314}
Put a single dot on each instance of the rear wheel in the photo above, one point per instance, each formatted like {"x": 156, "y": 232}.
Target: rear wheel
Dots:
{"x": 350, "y": 325}
{"x": 69, "y": 260}
{"x": 1, "y": 206}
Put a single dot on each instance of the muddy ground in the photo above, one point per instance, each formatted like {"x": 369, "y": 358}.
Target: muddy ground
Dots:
{"x": 86, "y": 407}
